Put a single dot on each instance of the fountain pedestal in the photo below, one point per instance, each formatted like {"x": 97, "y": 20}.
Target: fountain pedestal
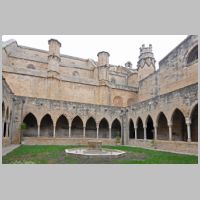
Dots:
{"x": 95, "y": 145}
{"x": 94, "y": 150}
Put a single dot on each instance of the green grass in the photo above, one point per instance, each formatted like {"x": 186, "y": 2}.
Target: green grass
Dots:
{"x": 44, "y": 154}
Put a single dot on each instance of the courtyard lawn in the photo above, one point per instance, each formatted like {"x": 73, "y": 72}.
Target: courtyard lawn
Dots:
{"x": 44, "y": 154}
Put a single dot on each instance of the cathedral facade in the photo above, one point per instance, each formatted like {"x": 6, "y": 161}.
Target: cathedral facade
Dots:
{"x": 63, "y": 99}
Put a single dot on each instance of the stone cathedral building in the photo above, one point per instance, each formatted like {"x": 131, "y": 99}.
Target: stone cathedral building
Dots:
{"x": 68, "y": 100}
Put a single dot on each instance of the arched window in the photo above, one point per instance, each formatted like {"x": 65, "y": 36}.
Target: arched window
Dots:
{"x": 131, "y": 129}
{"x": 150, "y": 128}
{"x": 46, "y": 126}
{"x": 62, "y": 127}
{"x": 77, "y": 127}
{"x": 179, "y": 127}
{"x": 130, "y": 101}
{"x": 3, "y": 110}
{"x": 140, "y": 129}
{"x": 104, "y": 128}
{"x": 31, "y": 123}
{"x": 91, "y": 127}
{"x": 118, "y": 101}
{"x": 163, "y": 129}
{"x": 193, "y": 55}
{"x": 113, "y": 81}
{"x": 116, "y": 129}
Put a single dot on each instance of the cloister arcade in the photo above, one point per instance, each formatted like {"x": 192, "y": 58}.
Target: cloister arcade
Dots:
{"x": 6, "y": 119}
{"x": 175, "y": 127}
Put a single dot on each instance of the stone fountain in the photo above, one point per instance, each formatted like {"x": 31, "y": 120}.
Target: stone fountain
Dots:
{"x": 93, "y": 150}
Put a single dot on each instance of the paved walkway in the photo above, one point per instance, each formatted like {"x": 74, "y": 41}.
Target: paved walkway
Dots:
{"x": 8, "y": 149}
{"x": 169, "y": 151}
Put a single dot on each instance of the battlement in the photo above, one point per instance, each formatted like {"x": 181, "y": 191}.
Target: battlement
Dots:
{"x": 146, "y": 52}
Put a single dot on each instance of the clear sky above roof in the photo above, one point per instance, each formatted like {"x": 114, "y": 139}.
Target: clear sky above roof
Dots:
{"x": 122, "y": 48}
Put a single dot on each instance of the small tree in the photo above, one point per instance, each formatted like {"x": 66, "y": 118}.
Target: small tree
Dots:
{"x": 22, "y": 127}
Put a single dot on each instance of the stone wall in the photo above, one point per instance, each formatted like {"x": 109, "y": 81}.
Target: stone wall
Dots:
{"x": 179, "y": 147}
{"x": 63, "y": 141}
{"x": 7, "y": 113}
{"x": 51, "y": 88}
{"x": 173, "y": 73}
{"x": 76, "y": 90}
{"x": 184, "y": 99}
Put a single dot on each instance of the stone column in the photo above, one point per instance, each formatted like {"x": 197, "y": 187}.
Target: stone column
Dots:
{"x": 2, "y": 128}
{"x": 110, "y": 133}
{"x": 69, "y": 130}
{"x": 7, "y": 125}
{"x": 97, "y": 131}
{"x": 39, "y": 130}
{"x": 188, "y": 122}
{"x": 84, "y": 131}
{"x": 54, "y": 131}
{"x": 145, "y": 132}
{"x": 135, "y": 133}
{"x": 155, "y": 132}
{"x": 170, "y": 131}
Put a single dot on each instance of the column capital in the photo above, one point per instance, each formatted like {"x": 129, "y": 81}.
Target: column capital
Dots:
{"x": 187, "y": 120}
{"x": 170, "y": 124}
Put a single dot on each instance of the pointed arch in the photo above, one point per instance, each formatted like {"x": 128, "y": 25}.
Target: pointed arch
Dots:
{"x": 10, "y": 115}
{"x": 162, "y": 127}
{"x": 3, "y": 119}
{"x": 46, "y": 126}
{"x": 149, "y": 127}
{"x": 179, "y": 127}
{"x": 77, "y": 127}
{"x": 91, "y": 128}
{"x": 3, "y": 110}
{"x": 194, "y": 123}
{"x": 62, "y": 126}
{"x": 192, "y": 55}
{"x": 140, "y": 128}
{"x": 116, "y": 128}
{"x": 7, "y": 113}
{"x": 4, "y": 130}
{"x": 32, "y": 125}
{"x": 104, "y": 128}
{"x": 131, "y": 129}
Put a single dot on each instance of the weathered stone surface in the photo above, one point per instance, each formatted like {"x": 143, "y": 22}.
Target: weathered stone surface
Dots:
{"x": 69, "y": 91}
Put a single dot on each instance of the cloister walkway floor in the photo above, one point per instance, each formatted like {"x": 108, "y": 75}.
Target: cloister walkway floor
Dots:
{"x": 169, "y": 151}
{"x": 8, "y": 149}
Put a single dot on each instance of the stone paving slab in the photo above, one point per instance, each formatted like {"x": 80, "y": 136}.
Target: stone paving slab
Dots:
{"x": 8, "y": 149}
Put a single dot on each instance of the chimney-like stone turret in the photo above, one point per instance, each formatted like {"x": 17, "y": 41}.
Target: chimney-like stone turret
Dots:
{"x": 103, "y": 67}
{"x": 146, "y": 63}
{"x": 128, "y": 64}
{"x": 54, "y": 55}
{"x": 103, "y": 58}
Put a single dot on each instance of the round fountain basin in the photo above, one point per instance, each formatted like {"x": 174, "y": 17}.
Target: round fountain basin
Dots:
{"x": 93, "y": 153}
